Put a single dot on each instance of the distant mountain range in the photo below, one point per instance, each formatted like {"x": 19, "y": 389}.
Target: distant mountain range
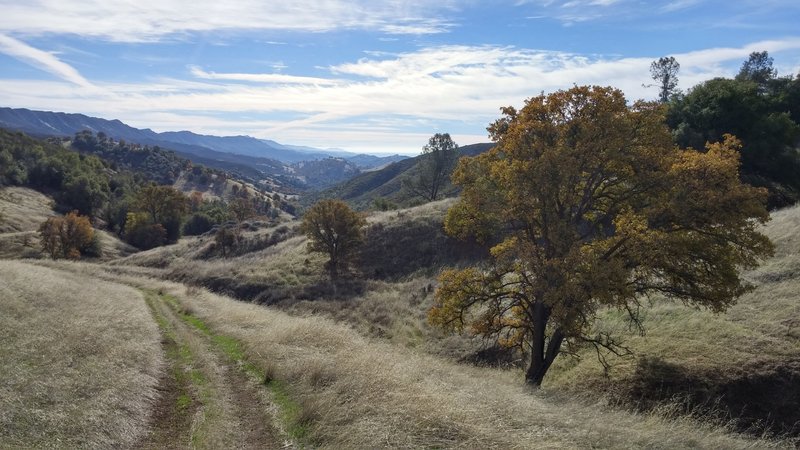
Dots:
{"x": 46, "y": 123}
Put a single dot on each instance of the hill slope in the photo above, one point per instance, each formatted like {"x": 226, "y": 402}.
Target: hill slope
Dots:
{"x": 232, "y": 149}
{"x": 743, "y": 364}
{"x": 386, "y": 183}
{"x": 80, "y": 360}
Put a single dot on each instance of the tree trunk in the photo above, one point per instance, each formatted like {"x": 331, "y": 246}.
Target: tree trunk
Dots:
{"x": 541, "y": 359}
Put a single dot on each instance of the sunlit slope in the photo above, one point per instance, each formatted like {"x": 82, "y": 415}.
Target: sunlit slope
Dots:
{"x": 79, "y": 360}
{"x": 745, "y": 362}
{"x": 355, "y": 392}
{"x": 22, "y": 211}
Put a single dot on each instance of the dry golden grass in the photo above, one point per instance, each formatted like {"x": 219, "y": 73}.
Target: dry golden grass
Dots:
{"x": 363, "y": 393}
{"x": 79, "y": 360}
{"x": 23, "y": 210}
{"x": 741, "y": 363}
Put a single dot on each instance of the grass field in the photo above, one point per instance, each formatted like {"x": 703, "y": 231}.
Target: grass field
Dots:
{"x": 23, "y": 210}
{"x": 79, "y": 360}
{"x": 357, "y": 392}
{"x": 744, "y": 363}
{"x": 363, "y": 369}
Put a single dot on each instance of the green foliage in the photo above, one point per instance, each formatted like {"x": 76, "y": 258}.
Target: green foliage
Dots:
{"x": 758, "y": 69}
{"x": 437, "y": 161}
{"x": 333, "y": 228}
{"x": 142, "y": 233}
{"x": 77, "y": 182}
{"x": 198, "y": 223}
{"x": 589, "y": 205}
{"x": 157, "y": 165}
{"x": 665, "y": 72}
{"x": 163, "y": 205}
{"x": 757, "y": 108}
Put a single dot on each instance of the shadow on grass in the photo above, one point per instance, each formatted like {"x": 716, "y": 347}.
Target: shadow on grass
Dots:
{"x": 756, "y": 397}
{"x": 267, "y": 294}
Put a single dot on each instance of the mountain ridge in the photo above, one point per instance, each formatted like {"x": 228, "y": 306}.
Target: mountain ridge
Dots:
{"x": 50, "y": 123}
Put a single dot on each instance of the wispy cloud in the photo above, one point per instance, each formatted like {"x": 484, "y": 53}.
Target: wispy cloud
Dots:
{"x": 150, "y": 20}
{"x": 677, "y": 5}
{"x": 266, "y": 78}
{"x": 570, "y": 12}
{"x": 42, "y": 60}
{"x": 459, "y": 87}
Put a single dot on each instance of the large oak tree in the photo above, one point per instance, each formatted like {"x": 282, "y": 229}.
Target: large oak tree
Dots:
{"x": 589, "y": 205}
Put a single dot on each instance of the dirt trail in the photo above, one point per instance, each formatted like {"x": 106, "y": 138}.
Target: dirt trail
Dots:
{"x": 206, "y": 401}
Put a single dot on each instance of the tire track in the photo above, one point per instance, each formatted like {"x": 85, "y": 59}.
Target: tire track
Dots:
{"x": 207, "y": 401}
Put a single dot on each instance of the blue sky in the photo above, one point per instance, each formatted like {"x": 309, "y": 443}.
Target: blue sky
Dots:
{"x": 370, "y": 76}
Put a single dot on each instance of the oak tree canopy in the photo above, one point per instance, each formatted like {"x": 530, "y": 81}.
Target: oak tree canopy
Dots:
{"x": 588, "y": 205}
{"x": 335, "y": 229}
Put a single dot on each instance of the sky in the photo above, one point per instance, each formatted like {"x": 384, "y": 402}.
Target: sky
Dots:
{"x": 373, "y": 76}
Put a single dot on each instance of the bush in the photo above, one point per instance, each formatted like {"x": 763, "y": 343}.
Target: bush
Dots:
{"x": 197, "y": 224}
{"x": 65, "y": 237}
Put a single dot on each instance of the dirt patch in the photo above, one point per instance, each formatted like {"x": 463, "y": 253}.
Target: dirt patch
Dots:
{"x": 172, "y": 414}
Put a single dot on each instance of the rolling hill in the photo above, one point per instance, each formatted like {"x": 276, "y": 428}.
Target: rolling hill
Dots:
{"x": 362, "y": 190}
{"x": 245, "y": 150}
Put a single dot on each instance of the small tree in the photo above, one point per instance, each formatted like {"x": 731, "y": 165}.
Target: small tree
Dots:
{"x": 589, "y": 205}
{"x": 163, "y": 205}
{"x": 241, "y": 209}
{"x": 435, "y": 164}
{"x": 142, "y": 233}
{"x": 65, "y": 237}
{"x": 335, "y": 229}
{"x": 665, "y": 72}
{"x": 758, "y": 69}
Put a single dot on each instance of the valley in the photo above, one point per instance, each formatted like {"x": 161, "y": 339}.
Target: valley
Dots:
{"x": 361, "y": 367}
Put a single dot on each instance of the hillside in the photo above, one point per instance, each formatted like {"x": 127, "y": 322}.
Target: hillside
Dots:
{"x": 363, "y": 190}
{"x": 323, "y": 385}
{"x": 741, "y": 366}
{"x": 352, "y": 367}
{"x": 81, "y": 360}
{"x": 22, "y": 210}
{"x": 266, "y": 155}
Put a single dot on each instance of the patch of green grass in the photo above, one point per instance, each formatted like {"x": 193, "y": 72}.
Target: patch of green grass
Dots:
{"x": 295, "y": 421}
{"x": 183, "y": 402}
{"x": 180, "y": 357}
{"x": 292, "y": 412}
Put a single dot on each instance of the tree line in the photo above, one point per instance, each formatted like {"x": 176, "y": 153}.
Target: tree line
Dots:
{"x": 759, "y": 107}
{"x": 116, "y": 186}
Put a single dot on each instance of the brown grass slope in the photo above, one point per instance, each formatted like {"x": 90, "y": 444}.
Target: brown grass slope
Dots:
{"x": 744, "y": 363}
{"x": 22, "y": 210}
{"x": 79, "y": 360}
{"x": 358, "y": 392}
{"x": 387, "y": 295}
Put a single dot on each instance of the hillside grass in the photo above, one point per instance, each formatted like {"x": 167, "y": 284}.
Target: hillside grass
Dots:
{"x": 79, "y": 360}
{"x": 742, "y": 366}
{"x": 358, "y": 392}
{"x": 22, "y": 211}
{"x": 744, "y": 363}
